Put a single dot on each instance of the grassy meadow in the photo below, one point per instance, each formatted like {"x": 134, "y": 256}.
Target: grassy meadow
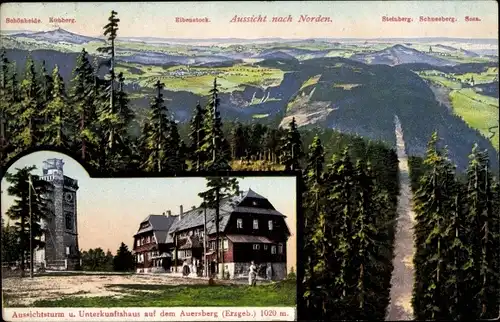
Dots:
{"x": 479, "y": 111}
{"x": 281, "y": 294}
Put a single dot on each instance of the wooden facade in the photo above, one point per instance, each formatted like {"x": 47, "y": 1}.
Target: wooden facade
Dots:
{"x": 150, "y": 247}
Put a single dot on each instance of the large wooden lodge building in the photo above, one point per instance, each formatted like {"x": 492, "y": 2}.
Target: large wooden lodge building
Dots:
{"x": 250, "y": 229}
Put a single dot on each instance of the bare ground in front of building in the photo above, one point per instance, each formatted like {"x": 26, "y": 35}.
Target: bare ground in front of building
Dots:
{"x": 25, "y": 291}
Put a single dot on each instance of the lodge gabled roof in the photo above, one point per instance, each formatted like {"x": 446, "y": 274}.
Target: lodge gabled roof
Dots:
{"x": 195, "y": 217}
{"x": 159, "y": 224}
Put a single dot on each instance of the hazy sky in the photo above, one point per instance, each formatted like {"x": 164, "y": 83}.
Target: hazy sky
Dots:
{"x": 110, "y": 210}
{"x": 361, "y": 19}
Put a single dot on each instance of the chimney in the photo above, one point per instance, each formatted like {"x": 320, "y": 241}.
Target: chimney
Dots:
{"x": 181, "y": 211}
{"x": 163, "y": 213}
{"x": 193, "y": 207}
{"x": 169, "y": 213}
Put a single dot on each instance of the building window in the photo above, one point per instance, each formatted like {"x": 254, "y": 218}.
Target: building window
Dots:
{"x": 255, "y": 224}
{"x": 138, "y": 242}
{"x": 226, "y": 244}
{"x": 69, "y": 221}
{"x": 239, "y": 223}
{"x": 256, "y": 246}
{"x": 265, "y": 247}
{"x": 68, "y": 250}
{"x": 270, "y": 224}
{"x": 273, "y": 249}
{"x": 280, "y": 248}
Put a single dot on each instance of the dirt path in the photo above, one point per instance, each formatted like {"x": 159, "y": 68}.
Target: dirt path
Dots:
{"x": 25, "y": 290}
{"x": 402, "y": 276}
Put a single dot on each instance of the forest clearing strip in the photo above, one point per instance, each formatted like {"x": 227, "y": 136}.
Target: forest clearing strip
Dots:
{"x": 400, "y": 306}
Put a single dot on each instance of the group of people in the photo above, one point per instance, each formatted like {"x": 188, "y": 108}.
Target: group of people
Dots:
{"x": 196, "y": 268}
{"x": 253, "y": 272}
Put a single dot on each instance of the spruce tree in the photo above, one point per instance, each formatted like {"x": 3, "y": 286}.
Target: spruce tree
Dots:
{"x": 124, "y": 259}
{"x": 6, "y": 115}
{"x": 46, "y": 84}
{"x": 238, "y": 142}
{"x": 158, "y": 136}
{"x": 483, "y": 239}
{"x": 271, "y": 143}
{"x": 108, "y": 116}
{"x": 122, "y": 148}
{"x": 312, "y": 208}
{"x": 176, "y": 149}
{"x": 10, "y": 244}
{"x": 434, "y": 201}
{"x": 82, "y": 97}
{"x": 460, "y": 264}
{"x": 292, "y": 147}
{"x": 20, "y": 210}
{"x": 58, "y": 130}
{"x": 218, "y": 188}
{"x": 215, "y": 146}
{"x": 196, "y": 136}
{"x": 29, "y": 116}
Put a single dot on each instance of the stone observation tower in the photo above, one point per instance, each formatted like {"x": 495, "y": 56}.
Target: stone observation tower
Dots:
{"x": 61, "y": 230}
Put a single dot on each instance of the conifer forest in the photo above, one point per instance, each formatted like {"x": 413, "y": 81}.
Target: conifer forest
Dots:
{"x": 350, "y": 185}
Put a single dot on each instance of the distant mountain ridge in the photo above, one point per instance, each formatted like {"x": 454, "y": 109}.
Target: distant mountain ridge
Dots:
{"x": 58, "y": 35}
{"x": 399, "y": 54}
{"x": 60, "y": 31}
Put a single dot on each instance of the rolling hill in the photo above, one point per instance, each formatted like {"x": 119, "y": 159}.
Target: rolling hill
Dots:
{"x": 399, "y": 54}
{"x": 57, "y": 36}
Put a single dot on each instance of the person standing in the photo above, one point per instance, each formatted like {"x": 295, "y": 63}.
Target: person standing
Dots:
{"x": 269, "y": 272}
{"x": 252, "y": 274}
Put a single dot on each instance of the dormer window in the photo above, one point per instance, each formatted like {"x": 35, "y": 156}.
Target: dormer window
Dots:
{"x": 255, "y": 224}
{"x": 239, "y": 223}
{"x": 254, "y": 203}
{"x": 270, "y": 224}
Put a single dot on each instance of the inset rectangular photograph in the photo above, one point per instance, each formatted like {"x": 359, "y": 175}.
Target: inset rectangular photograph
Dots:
{"x": 183, "y": 247}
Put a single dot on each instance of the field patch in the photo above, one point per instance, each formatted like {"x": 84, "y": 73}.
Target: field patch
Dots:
{"x": 346, "y": 87}
{"x": 479, "y": 111}
{"x": 199, "y": 80}
{"x": 487, "y": 76}
{"x": 311, "y": 81}
{"x": 441, "y": 79}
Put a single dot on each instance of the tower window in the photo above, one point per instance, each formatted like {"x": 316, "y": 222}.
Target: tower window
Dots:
{"x": 69, "y": 221}
{"x": 239, "y": 223}
{"x": 255, "y": 224}
{"x": 270, "y": 224}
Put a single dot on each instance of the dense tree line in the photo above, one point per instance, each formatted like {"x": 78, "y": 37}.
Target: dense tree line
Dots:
{"x": 349, "y": 208}
{"x": 457, "y": 242}
{"x": 95, "y": 259}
